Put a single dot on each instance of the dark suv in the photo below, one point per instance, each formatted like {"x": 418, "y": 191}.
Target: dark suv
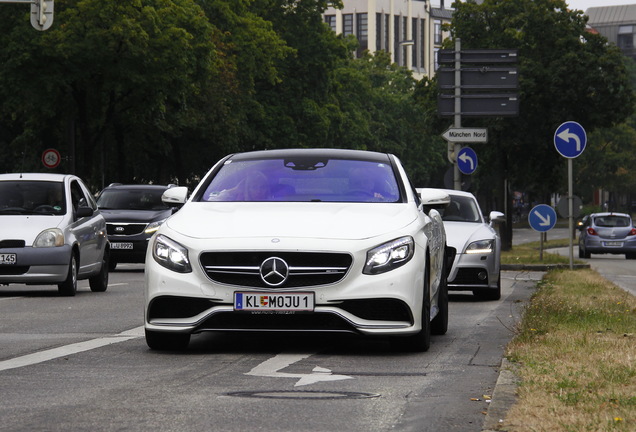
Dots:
{"x": 133, "y": 213}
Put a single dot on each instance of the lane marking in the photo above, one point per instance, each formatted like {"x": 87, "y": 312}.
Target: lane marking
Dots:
{"x": 271, "y": 367}
{"x": 42, "y": 356}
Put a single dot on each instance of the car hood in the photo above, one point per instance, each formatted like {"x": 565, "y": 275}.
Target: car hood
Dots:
{"x": 27, "y": 228}
{"x": 461, "y": 234}
{"x": 299, "y": 220}
{"x": 134, "y": 215}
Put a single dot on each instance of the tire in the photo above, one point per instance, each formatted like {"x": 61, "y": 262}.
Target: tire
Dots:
{"x": 489, "y": 294}
{"x": 421, "y": 341}
{"x": 99, "y": 282}
{"x": 439, "y": 325}
{"x": 163, "y": 341}
{"x": 583, "y": 253}
{"x": 630, "y": 256}
{"x": 68, "y": 288}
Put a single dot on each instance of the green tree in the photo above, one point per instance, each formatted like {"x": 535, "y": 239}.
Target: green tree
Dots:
{"x": 565, "y": 74}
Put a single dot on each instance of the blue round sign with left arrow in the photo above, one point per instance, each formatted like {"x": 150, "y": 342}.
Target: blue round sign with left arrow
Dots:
{"x": 467, "y": 160}
{"x": 570, "y": 139}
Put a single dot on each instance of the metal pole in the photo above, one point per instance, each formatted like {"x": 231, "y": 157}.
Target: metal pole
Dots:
{"x": 457, "y": 179}
{"x": 570, "y": 213}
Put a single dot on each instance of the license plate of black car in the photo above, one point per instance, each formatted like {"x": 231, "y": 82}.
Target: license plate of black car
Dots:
{"x": 120, "y": 245}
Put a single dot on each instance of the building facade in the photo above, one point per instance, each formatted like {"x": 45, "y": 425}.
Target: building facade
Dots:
{"x": 617, "y": 24}
{"x": 409, "y": 30}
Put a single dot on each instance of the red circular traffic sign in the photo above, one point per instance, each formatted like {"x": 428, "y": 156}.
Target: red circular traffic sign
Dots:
{"x": 51, "y": 158}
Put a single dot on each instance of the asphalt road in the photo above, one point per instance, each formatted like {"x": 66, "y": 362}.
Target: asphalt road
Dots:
{"x": 81, "y": 364}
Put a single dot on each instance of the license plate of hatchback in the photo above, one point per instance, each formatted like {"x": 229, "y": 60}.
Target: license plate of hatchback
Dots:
{"x": 120, "y": 245}
{"x": 614, "y": 243}
{"x": 7, "y": 258}
{"x": 275, "y": 302}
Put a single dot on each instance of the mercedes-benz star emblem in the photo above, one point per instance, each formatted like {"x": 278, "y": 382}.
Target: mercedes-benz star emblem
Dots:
{"x": 274, "y": 271}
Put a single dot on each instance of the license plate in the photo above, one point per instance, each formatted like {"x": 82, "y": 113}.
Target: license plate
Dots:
{"x": 121, "y": 245}
{"x": 266, "y": 301}
{"x": 613, "y": 243}
{"x": 7, "y": 258}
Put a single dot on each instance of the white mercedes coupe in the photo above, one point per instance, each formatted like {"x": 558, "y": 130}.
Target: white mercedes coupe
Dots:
{"x": 320, "y": 240}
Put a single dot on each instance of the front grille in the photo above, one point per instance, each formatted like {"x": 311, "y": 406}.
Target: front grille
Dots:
{"x": 5, "y": 244}
{"x": 306, "y": 269}
{"x": 177, "y": 307}
{"x": 378, "y": 309}
{"x": 283, "y": 322}
{"x": 115, "y": 229}
{"x": 11, "y": 270}
{"x": 468, "y": 276}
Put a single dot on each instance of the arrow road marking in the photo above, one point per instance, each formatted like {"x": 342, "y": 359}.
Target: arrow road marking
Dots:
{"x": 272, "y": 366}
{"x": 545, "y": 221}
{"x": 464, "y": 157}
{"x": 566, "y": 135}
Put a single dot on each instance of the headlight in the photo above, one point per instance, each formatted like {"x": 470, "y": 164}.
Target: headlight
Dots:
{"x": 389, "y": 256}
{"x": 480, "y": 247}
{"x": 51, "y": 237}
{"x": 153, "y": 226}
{"x": 171, "y": 254}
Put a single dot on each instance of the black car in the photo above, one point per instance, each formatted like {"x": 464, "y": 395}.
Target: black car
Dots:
{"x": 133, "y": 213}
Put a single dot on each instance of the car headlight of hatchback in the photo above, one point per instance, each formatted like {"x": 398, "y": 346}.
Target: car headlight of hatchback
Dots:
{"x": 389, "y": 256}
{"x": 171, "y": 254}
{"x": 51, "y": 237}
{"x": 153, "y": 226}
{"x": 481, "y": 247}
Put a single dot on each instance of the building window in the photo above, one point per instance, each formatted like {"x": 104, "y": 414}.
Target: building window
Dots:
{"x": 387, "y": 30}
{"x": 396, "y": 41}
{"x": 438, "y": 32}
{"x": 423, "y": 44}
{"x": 347, "y": 24}
{"x": 415, "y": 51}
{"x": 403, "y": 38}
{"x": 379, "y": 27}
{"x": 331, "y": 22}
{"x": 362, "y": 32}
{"x": 625, "y": 37}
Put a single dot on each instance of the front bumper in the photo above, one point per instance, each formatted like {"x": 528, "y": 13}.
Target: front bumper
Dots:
{"x": 36, "y": 266}
{"x": 474, "y": 272}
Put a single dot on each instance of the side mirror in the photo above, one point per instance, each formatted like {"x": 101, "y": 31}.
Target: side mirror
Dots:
{"x": 175, "y": 196}
{"x": 496, "y": 217}
{"x": 84, "y": 211}
{"x": 433, "y": 198}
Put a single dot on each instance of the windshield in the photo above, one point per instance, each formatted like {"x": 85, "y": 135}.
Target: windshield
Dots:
{"x": 32, "y": 197}
{"x": 131, "y": 199}
{"x": 333, "y": 180}
{"x": 461, "y": 209}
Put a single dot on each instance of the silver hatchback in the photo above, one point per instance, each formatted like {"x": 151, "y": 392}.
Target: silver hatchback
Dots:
{"x": 51, "y": 232}
{"x": 607, "y": 233}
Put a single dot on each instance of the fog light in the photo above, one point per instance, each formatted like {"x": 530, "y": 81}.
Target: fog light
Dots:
{"x": 482, "y": 275}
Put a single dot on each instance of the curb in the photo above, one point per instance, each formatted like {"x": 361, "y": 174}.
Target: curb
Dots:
{"x": 542, "y": 267}
{"x": 503, "y": 397}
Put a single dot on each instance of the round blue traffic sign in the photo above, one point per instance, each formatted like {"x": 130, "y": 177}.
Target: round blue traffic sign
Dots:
{"x": 542, "y": 218}
{"x": 570, "y": 139}
{"x": 467, "y": 160}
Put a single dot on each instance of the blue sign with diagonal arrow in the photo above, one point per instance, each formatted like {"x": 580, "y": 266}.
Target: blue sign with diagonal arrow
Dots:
{"x": 570, "y": 139}
{"x": 467, "y": 160}
{"x": 542, "y": 218}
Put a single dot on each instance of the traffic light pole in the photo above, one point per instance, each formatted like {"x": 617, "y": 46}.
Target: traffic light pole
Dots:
{"x": 41, "y": 12}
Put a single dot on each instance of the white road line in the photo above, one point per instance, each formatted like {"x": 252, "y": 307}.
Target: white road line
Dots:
{"x": 271, "y": 368}
{"x": 42, "y": 356}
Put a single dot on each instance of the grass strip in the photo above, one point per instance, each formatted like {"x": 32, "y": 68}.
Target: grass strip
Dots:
{"x": 575, "y": 356}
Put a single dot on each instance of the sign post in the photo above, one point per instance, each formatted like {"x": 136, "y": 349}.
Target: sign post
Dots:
{"x": 570, "y": 140}
{"x": 542, "y": 218}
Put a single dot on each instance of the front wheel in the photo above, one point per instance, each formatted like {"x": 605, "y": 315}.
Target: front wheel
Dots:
{"x": 421, "y": 341}
{"x": 99, "y": 282}
{"x": 439, "y": 325}
{"x": 164, "y": 341}
{"x": 68, "y": 288}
